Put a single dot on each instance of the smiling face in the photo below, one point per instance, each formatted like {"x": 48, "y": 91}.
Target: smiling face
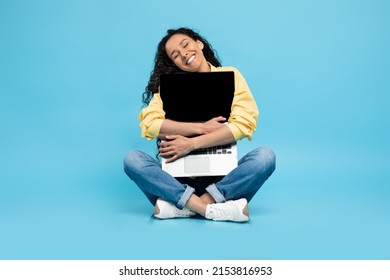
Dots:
{"x": 186, "y": 53}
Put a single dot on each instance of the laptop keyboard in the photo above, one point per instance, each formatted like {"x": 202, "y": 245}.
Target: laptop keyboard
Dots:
{"x": 216, "y": 150}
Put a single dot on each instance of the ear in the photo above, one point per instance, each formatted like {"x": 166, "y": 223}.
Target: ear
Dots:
{"x": 200, "y": 44}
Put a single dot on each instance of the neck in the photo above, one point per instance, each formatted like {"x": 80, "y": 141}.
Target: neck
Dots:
{"x": 205, "y": 67}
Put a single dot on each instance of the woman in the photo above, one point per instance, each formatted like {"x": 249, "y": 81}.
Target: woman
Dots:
{"x": 215, "y": 198}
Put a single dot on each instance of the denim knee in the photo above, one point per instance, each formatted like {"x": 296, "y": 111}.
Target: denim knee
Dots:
{"x": 266, "y": 158}
{"x": 132, "y": 162}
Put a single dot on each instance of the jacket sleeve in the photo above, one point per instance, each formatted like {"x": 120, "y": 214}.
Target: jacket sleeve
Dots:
{"x": 244, "y": 114}
{"x": 151, "y": 118}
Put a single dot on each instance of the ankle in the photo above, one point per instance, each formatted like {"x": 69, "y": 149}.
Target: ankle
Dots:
{"x": 207, "y": 198}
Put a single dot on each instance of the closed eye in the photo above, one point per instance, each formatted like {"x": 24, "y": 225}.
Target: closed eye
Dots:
{"x": 174, "y": 55}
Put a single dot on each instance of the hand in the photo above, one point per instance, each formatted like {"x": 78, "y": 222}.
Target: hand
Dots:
{"x": 176, "y": 147}
{"x": 213, "y": 124}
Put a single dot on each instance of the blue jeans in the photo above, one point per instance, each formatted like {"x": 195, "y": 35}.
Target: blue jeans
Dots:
{"x": 242, "y": 182}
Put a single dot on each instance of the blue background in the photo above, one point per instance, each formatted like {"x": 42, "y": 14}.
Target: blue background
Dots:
{"x": 71, "y": 78}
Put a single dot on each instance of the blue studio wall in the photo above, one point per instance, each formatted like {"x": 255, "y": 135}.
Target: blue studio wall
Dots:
{"x": 71, "y": 78}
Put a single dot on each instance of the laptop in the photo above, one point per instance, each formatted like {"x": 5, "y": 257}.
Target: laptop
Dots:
{"x": 199, "y": 97}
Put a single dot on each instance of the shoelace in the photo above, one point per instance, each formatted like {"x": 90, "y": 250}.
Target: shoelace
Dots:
{"x": 181, "y": 212}
{"x": 217, "y": 213}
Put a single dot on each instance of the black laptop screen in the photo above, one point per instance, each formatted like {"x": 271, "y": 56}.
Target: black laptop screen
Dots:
{"x": 197, "y": 97}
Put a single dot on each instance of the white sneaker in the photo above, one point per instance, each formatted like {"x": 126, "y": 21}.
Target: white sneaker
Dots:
{"x": 233, "y": 210}
{"x": 166, "y": 210}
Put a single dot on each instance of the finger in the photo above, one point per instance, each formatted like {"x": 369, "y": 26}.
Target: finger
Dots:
{"x": 172, "y": 137}
{"x": 166, "y": 153}
{"x": 171, "y": 159}
{"x": 220, "y": 118}
{"x": 164, "y": 148}
{"x": 164, "y": 145}
{"x": 168, "y": 160}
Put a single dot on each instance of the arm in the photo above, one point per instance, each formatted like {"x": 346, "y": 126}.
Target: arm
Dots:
{"x": 178, "y": 145}
{"x": 153, "y": 123}
{"x": 169, "y": 127}
{"x": 221, "y": 136}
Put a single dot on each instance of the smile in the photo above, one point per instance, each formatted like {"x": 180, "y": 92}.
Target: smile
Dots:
{"x": 190, "y": 59}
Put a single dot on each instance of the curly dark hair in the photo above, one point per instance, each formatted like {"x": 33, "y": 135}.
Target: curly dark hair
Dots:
{"x": 163, "y": 64}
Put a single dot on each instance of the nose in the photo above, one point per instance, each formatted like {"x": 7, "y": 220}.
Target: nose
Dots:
{"x": 184, "y": 54}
